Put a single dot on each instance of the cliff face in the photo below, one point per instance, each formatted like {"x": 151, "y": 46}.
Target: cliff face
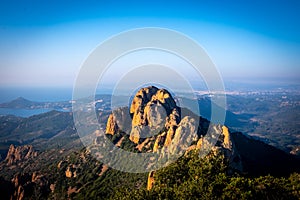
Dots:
{"x": 111, "y": 127}
{"x": 156, "y": 121}
{"x": 20, "y": 153}
{"x": 154, "y": 115}
{"x": 150, "y": 108}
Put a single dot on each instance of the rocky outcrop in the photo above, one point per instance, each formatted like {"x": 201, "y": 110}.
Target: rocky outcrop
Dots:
{"x": 227, "y": 140}
{"x": 111, "y": 127}
{"x": 159, "y": 142}
{"x": 295, "y": 151}
{"x": 173, "y": 119}
{"x": 25, "y": 184}
{"x": 151, "y": 93}
{"x": 52, "y": 187}
{"x": 118, "y": 121}
{"x": 20, "y": 153}
{"x": 165, "y": 98}
{"x": 224, "y": 145}
{"x": 157, "y": 122}
{"x": 135, "y": 134}
{"x": 184, "y": 135}
{"x": 150, "y": 109}
{"x": 227, "y": 146}
{"x": 150, "y": 181}
{"x": 69, "y": 173}
{"x": 169, "y": 136}
{"x": 171, "y": 125}
{"x": 143, "y": 96}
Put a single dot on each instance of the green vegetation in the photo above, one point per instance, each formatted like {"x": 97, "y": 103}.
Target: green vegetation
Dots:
{"x": 88, "y": 183}
{"x": 194, "y": 178}
{"x": 190, "y": 177}
{"x": 45, "y": 131}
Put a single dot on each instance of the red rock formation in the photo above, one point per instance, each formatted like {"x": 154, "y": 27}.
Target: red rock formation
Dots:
{"x": 20, "y": 153}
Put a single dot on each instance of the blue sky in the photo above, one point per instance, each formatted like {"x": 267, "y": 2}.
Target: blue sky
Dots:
{"x": 44, "y": 43}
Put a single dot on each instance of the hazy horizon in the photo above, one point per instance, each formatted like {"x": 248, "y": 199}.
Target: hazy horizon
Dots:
{"x": 52, "y": 94}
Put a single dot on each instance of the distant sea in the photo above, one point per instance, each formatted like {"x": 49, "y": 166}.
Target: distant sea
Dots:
{"x": 25, "y": 112}
{"x": 40, "y": 94}
{"x": 33, "y": 94}
{"x": 36, "y": 94}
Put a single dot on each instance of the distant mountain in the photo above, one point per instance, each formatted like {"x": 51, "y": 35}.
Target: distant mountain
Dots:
{"x": 22, "y": 103}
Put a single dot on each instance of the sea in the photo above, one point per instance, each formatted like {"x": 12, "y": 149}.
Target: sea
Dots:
{"x": 25, "y": 112}
{"x": 37, "y": 94}
{"x": 33, "y": 94}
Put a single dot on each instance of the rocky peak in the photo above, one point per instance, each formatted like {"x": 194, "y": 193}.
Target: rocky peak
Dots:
{"x": 111, "y": 126}
{"x": 165, "y": 98}
{"x": 149, "y": 96}
{"x": 20, "y": 153}
{"x": 150, "y": 108}
{"x": 227, "y": 143}
{"x": 141, "y": 98}
{"x": 155, "y": 116}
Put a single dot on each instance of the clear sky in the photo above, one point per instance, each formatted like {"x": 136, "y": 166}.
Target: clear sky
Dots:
{"x": 44, "y": 43}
